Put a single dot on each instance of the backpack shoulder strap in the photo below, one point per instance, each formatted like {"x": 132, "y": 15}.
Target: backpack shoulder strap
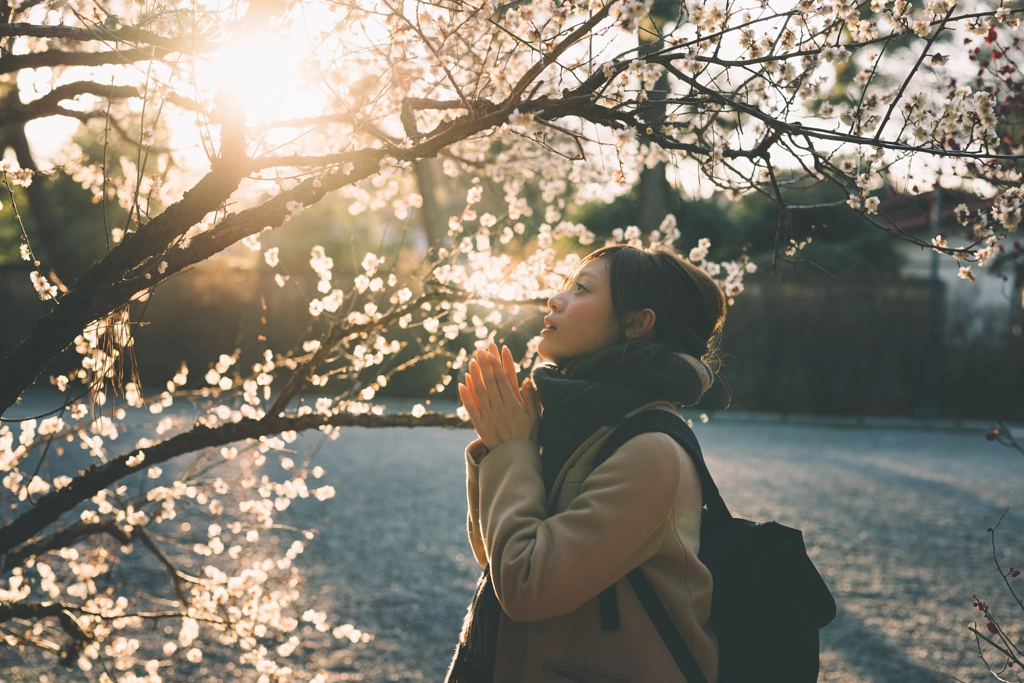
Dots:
{"x": 676, "y": 427}
{"x": 666, "y": 628}
{"x": 657, "y": 420}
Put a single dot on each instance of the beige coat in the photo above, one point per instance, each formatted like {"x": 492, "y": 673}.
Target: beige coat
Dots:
{"x": 641, "y": 507}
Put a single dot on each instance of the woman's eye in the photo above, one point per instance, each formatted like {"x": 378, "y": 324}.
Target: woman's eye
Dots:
{"x": 579, "y": 286}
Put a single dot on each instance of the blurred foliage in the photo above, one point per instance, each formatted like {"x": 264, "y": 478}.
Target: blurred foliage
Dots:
{"x": 80, "y": 219}
{"x": 10, "y": 235}
{"x": 843, "y": 243}
{"x": 85, "y": 222}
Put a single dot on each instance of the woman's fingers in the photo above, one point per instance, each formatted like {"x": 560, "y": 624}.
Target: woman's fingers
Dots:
{"x": 480, "y": 424}
{"x": 471, "y": 387}
{"x": 500, "y": 381}
{"x": 490, "y": 380}
{"x": 532, "y": 407}
{"x": 467, "y": 400}
{"x": 499, "y": 409}
{"x": 480, "y": 390}
{"x": 470, "y": 405}
{"x": 505, "y": 367}
{"x": 509, "y": 366}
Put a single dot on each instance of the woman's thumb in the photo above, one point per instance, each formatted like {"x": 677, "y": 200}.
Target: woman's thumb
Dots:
{"x": 531, "y": 395}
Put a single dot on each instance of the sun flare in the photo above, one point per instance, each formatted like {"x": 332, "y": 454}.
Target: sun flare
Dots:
{"x": 269, "y": 75}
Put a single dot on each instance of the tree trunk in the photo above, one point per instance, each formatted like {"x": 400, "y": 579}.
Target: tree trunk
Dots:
{"x": 654, "y": 191}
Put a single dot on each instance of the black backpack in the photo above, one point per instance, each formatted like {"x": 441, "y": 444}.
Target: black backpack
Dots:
{"x": 768, "y": 600}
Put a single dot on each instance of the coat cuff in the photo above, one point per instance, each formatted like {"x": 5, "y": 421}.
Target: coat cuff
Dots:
{"x": 476, "y": 451}
{"x": 510, "y": 454}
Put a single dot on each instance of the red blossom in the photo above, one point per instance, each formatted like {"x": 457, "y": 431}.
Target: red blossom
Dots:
{"x": 992, "y": 628}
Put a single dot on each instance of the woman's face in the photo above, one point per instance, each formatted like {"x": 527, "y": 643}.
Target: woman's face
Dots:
{"x": 582, "y": 318}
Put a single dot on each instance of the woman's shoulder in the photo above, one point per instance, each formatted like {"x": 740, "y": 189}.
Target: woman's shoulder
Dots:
{"x": 654, "y": 453}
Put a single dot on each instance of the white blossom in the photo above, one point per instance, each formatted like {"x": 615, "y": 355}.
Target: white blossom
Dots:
{"x": 43, "y": 286}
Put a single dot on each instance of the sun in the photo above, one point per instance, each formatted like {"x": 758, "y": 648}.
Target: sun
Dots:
{"x": 269, "y": 76}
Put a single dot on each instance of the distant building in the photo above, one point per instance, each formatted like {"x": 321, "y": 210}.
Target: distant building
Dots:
{"x": 992, "y": 304}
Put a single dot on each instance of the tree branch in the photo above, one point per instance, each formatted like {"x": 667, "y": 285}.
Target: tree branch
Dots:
{"x": 51, "y": 506}
{"x": 924, "y": 53}
{"x": 125, "y": 34}
{"x": 49, "y": 104}
{"x": 34, "y": 60}
{"x": 178, "y": 578}
{"x": 581, "y": 32}
{"x": 797, "y": 129}
{"x": 61, "y": 539}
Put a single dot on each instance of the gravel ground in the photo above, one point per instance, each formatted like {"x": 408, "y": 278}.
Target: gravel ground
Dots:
{"x": 895, "y": 520}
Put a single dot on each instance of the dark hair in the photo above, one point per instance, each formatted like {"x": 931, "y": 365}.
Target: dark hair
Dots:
{"x": 689, "y": 307}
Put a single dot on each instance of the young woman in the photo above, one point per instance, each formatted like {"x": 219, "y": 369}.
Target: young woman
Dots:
{"x": 625, "y": 334}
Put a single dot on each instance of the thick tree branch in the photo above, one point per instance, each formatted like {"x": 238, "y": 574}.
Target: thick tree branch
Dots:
{"x": 49, "y": 104}
{"x": 125, "y": 34}
{"x": 39, "y": 610}
{"x": 53, "y": 505}
{"x": 35, "y": 60}
{"x": 341, "y": 117}
{"x": 122, "y": 273}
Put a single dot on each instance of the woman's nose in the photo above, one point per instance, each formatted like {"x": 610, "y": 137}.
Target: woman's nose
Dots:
{"x": 554, "y": 303}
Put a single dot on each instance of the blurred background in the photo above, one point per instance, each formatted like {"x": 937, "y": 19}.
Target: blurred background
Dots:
{"x": 867, "y": 324}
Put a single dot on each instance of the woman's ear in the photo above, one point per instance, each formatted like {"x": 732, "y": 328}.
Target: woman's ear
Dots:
{"x": 640, "y": 324}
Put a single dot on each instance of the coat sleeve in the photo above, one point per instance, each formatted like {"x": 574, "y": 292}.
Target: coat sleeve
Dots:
{"x": 542, "y": 566}
{"x": 474, "y": 453}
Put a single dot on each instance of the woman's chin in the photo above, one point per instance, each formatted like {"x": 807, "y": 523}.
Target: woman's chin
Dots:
{"x": 544, "y": 351}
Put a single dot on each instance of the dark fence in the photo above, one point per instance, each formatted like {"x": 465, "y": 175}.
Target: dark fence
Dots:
{"x": 855, "y": 348}
{"x": 862, "y": 348}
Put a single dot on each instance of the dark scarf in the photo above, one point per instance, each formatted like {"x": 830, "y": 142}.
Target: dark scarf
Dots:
{"x": 623, "y": 379}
